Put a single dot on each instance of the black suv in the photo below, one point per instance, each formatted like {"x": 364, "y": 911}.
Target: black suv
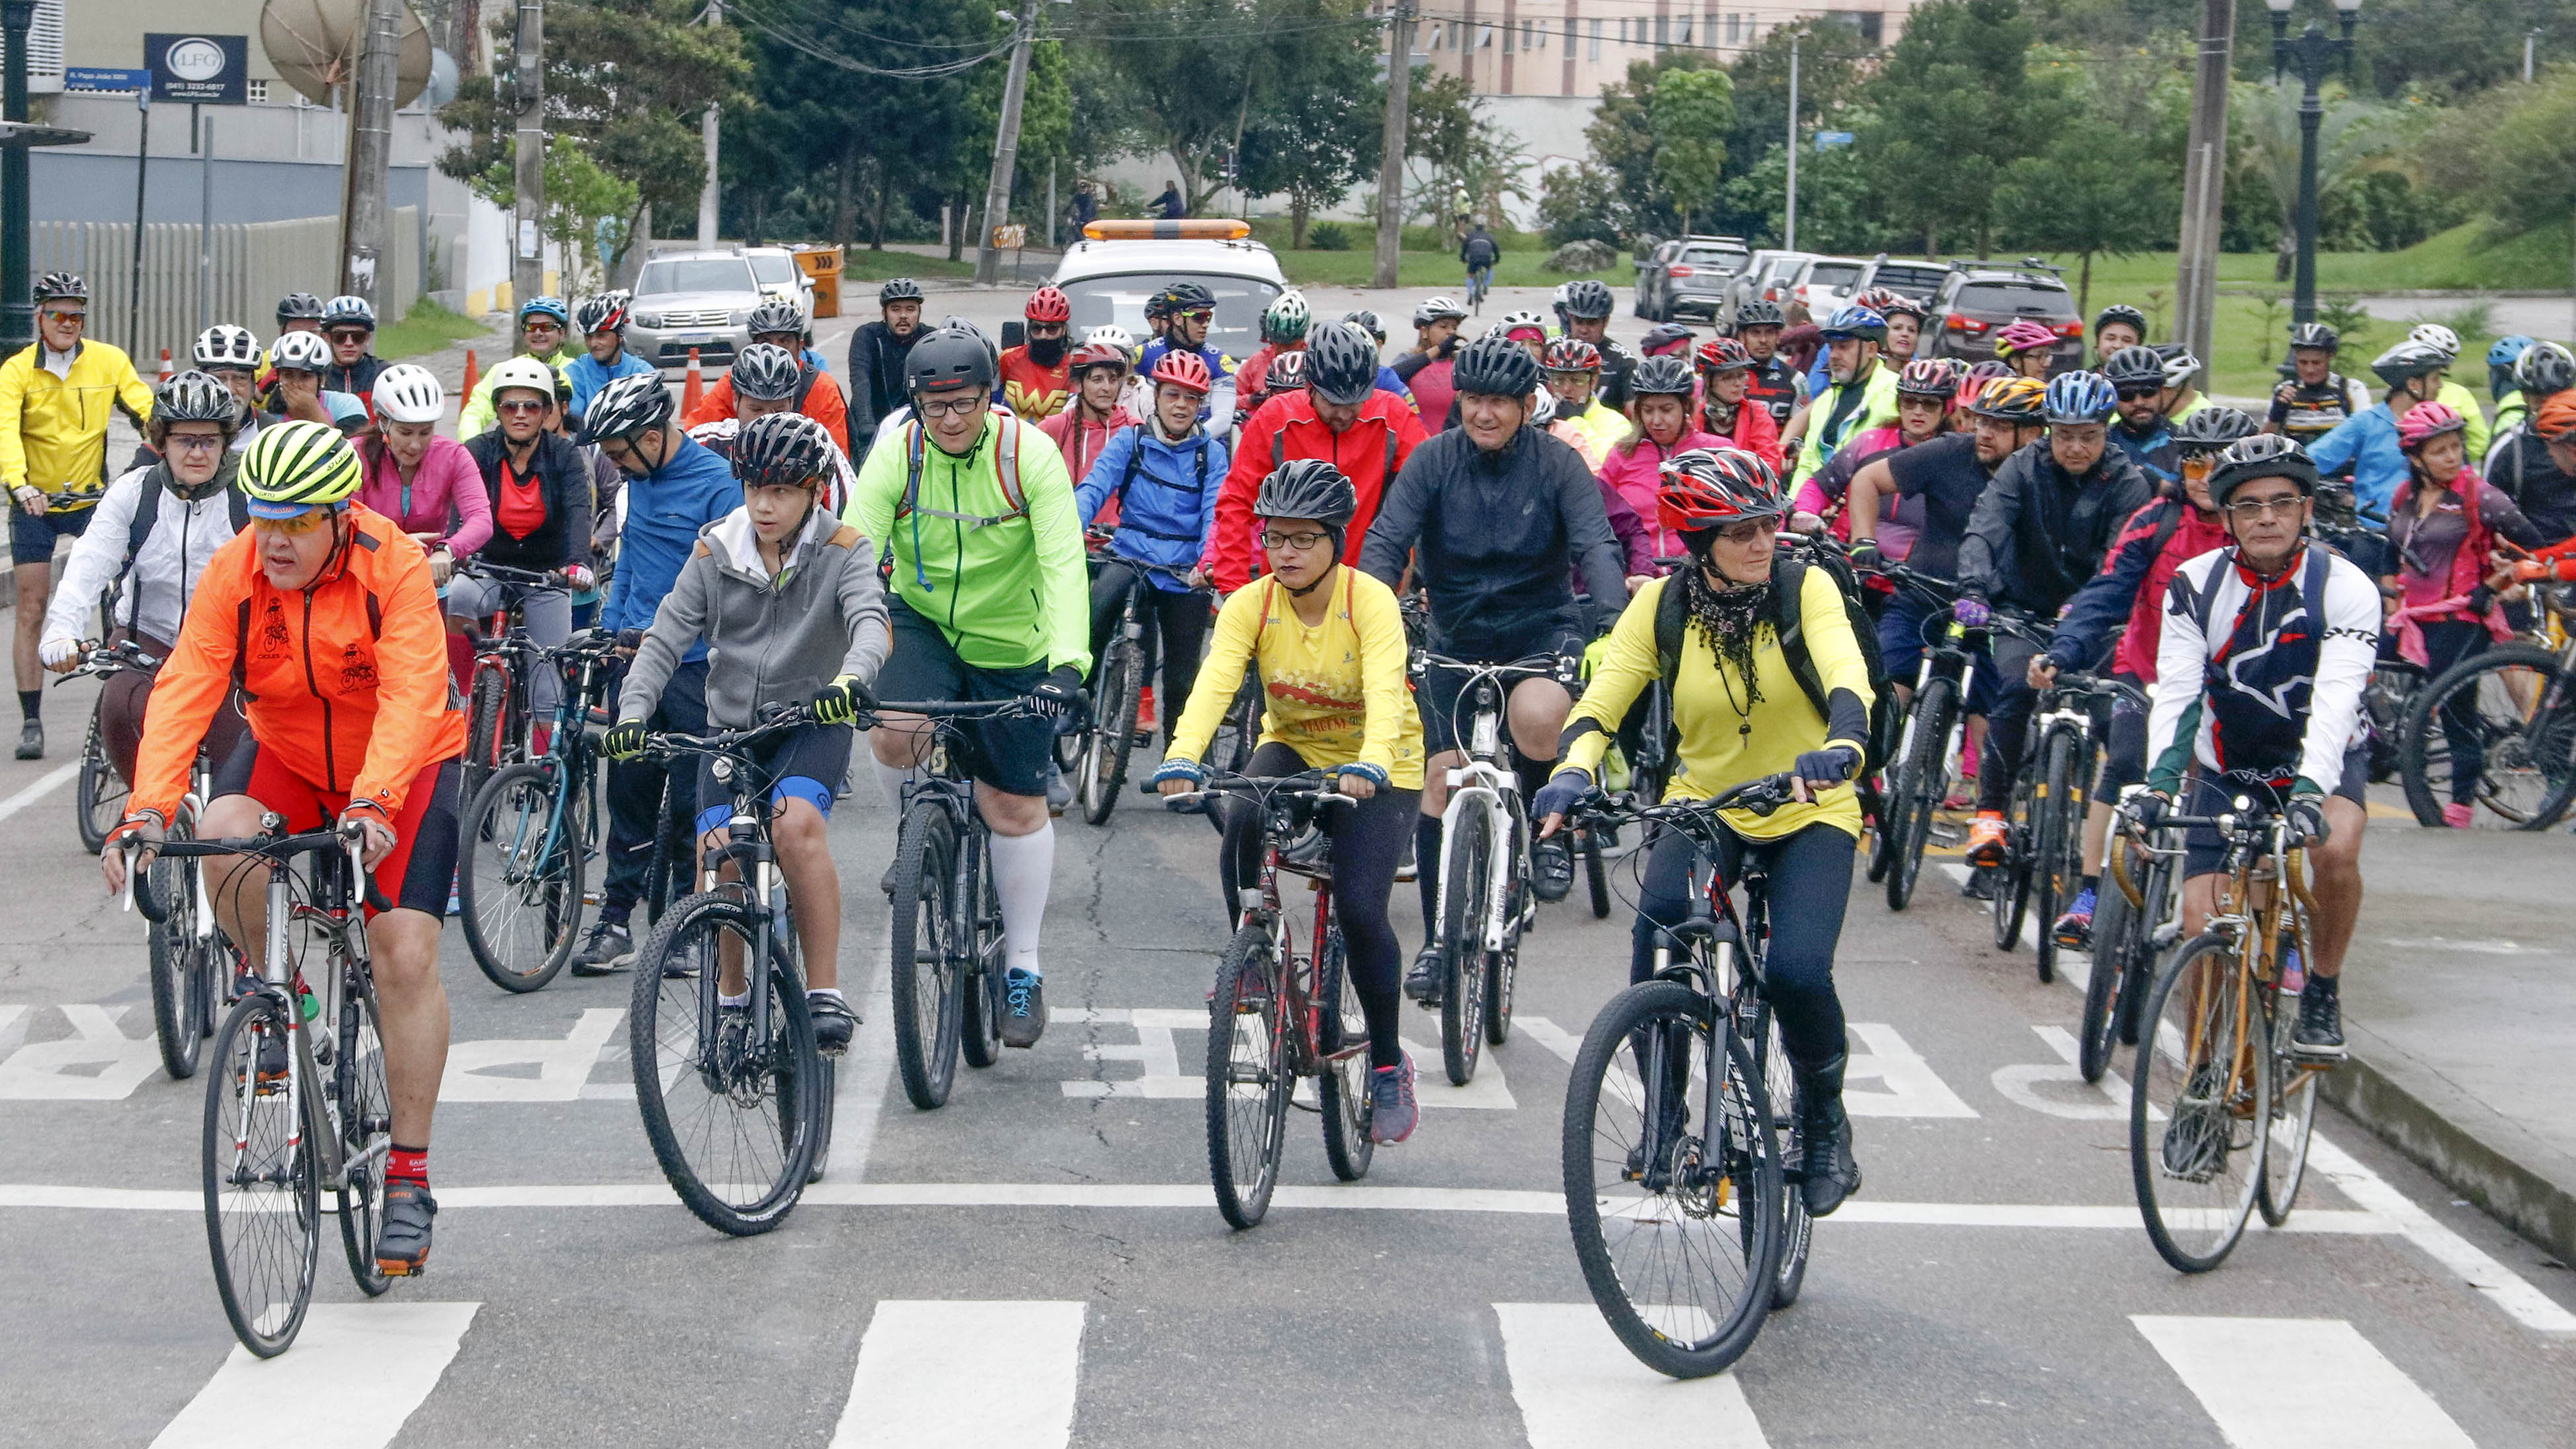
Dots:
{"x": 1979, "y": 301}
{"x": 1688, "y": 275}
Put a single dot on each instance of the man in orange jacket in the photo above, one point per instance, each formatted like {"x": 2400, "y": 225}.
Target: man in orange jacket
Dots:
{"x": 817, "y": 395}
{"x": 1341, "y": 418}
{"x": 323, "y": 612}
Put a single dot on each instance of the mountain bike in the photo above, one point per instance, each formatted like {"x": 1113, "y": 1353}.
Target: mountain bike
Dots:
{"x": 99, "y": 793}
{"x": 1118, "y": 683}
{"x": 2138, "y": 919}
{"x": 2506, "y": 718}
{"x": 531, "y": 832}
{"x": 2044, "y": 824}
{"x": 1485, "y": 901}
{"x": 297, "y": 1102}
{"x": 505, "y": 660}
{"x": 1480, "y": 280}
{"x": 1927, "y": 752}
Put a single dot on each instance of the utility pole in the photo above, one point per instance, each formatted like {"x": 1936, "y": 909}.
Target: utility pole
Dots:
{"x": 710, "y": 192}
{"x": 1006, "y": 145}
{"x": 373, "y": 155}
{"x": 528, "y": 211}
{"x": 2204, "y": 178}
{"x": 1790, "y": 240}
{"x": 1390, "y": 166}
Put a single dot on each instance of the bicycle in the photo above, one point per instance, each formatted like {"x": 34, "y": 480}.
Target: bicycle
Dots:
{"x": 2044, "y": 825}
{"x": 2139, "y": 919}
{"x": 1118, "y": 683}
{"x": 298, "y": 1101}
{"x": 497, "y": 705}
{"x": 531, "y": 831}
{"x": 1480, "y": 280}
{"x": 1485, "y": 902}
{"x": 1278, "y": 1013}
{"x": 99, "y": 793}
{"x": 741, "y": 1148}
{"x": 1687, "y": 1240}
{"x": 1927, "y": 752}
{"x": 2508, "y": 713}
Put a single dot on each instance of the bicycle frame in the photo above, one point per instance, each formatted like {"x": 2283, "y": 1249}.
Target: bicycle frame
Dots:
{"x": 1485, "y": 783}
{"x": 1300, "y": 972}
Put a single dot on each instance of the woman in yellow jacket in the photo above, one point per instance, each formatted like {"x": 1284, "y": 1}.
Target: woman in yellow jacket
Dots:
{"x": 1744, "y": 712}
{"x": 1329, "y": 643}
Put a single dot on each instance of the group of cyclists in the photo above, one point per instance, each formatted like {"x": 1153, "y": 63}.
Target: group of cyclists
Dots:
{"x": 300, "y": 549}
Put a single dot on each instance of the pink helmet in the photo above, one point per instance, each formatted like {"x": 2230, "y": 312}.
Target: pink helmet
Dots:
{"x": 2426, "y": 421}
{"x": 2024, "y": 336}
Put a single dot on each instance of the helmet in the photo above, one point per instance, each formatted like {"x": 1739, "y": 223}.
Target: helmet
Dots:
{"x": 2408, "y": 360}
{"x": 1183, "y": 369}
{"x": 2314, "y": 335}
{"x": 1495, "y": 365}
{"x": 1114, "y": 336}
{"x": 627, "y": 405}
{"x": 1887, "y": 302}
{"x": 1856, "y": 322}
{"x": 2180, "y": 366}
{"x": 1521, "y": 321}
{"x": 536, "y": 307}
{"x": 2024, "y": 336}
{"x": 2209, "y": 429}
{"x": 781, "y": 448}
{"x": 294, "y": 466}
{"x": 1097, "y": 352}
{"x": 1286, "y": 373}
{"x": 1986, "y": 370}
{"x": 224, "y": 345}
{"x": 1760, "y": 312}
{"x": 2426, "y": 421}
{"x": 2018, "y": 400}
{"x": 765, "y": 372}
{"x": 775, "y": 316}
{"x": 603, "y": 312}
{"x": 1437, "y": 309}
{"x": 2438, "y": 337}
{"x": 300, "y": 352}
{"x": 520, "y": 372}
{"x": 950, "y": 358}
{"x": 1587, "y": 299}
{"x": 2264, "y": 455}
{"x": 1569, "y": 354}
{"x": 2556, "y": 418}
{"x": 346, "y": 311}
{"x": 61, "y": 285}
{"x": 2121, "y": 312}
{"x": 1665, "y": 376}
{"x": 408, "y": 393}
{"x": 2545, "y": 368}
{"x": 1367, "y": 321}
{"x": 298, "y": 307}
{"x": 1285, "y": 320}
{"x": 1706, "y": 488}
{"x": 1341, "y": 363}
{"x": 2132, "y": 365}
{"x": 1721, "y": 354}
{"x": 2508, "y": 350}
{"x": 1307, "y": 488}
{"x": 900, "y": 289}
{"x": 1181, "y": 297}
{"x": 2079, "y": 397}
{"x": 1927, "y": 377}
{"x": 1048, "y": 304}
{"x": 1663, "y": 337}
{"x": 194, "y": 397}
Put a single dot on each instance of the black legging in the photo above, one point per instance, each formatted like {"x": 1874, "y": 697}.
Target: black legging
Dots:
{"x": 1180, "y": 619}
{"x": 1810, "y": 884}
{"x": 2447, "y": 642}
{"x": 1367, "y": 841}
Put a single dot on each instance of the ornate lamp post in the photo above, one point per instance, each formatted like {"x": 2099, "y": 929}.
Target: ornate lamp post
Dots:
{"x": 2312, "y": 52}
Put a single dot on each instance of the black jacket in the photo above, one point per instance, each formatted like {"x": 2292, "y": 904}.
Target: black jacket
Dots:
{"x": 357, "y": 379}
{"x": 2037, "y": 534}
{"x": 2521, "y": 469}
{"x": 1617, "y": 363}
{"x": 563, "y": 476}
{"x": 876, "y": 381}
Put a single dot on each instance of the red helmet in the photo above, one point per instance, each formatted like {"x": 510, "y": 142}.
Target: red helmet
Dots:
{"x": 1568, "y": 354}
{"x": 1182, "y": 369}
{"x": 1722, "y": 354}
{"x": 1887, "y": 302}
{"x": 2426, "y": 421}
{"x": 1099, "y": 353}
{"x": 1713, "y": 487}
{"x": 1931, "y": 377}
{"x": 1049, "y": 304}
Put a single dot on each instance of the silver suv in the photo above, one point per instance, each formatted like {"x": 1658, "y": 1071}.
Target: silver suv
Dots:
{"x": 687, "y": 300}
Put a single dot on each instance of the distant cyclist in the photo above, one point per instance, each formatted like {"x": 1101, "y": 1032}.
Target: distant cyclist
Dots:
{"x": 1861, "y": 396}
{"x": 2501, "y": 386}
{"x": 1284, "y": 324}
{"x": 1478, "y": 252}
{"x": 1660, "y": 426}
{"x": 545, "y": 326}
{"x": 1164, "y": 474}
{"x": 1584, "y": 314}
{"x": 2116, "y": 327}
{"x": 538, "y": 488}
{"x": 1727, "y": 410}
{"x": 1425, "y": 368}
{"x": 1367, "y": 435}
{"x": 1773, "y": 383}
{"x": 2315, "y": 400}
{"x": 877, "y": 351}
{"x": 349, "y": 325}
{"x": 2027, "y": 347}
{"x": 2451, "y": 394}
{"x": 298, "y": 361}
{"x": 1098, "y": 409}
{"x": 2367, "y": 442}
{"x": 2524, "y": 463}
{"x": 2138, "y": 425}
{"x": 601, "y": 321}
{"x": 1035, "y": 376}
{"x": 1189, "y": 309}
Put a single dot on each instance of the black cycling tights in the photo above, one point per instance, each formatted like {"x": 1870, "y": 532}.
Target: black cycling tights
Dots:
{"x": 1368, "y": 841}
{"x": 1810, "y": 884}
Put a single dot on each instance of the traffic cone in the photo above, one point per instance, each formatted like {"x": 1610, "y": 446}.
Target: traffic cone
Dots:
{"x": 696, "y": 385}
{"x": 473, "y": 374}
{"x": 166, "y": 370}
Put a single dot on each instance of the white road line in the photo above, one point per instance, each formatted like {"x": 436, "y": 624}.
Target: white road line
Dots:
{"x": 2506, "y": 1289}
{"x": 36, "y": 791}
{"x": 927, "y": 1376}
{"x": 1572, "y": 1378}
{"x": 859, "y": 1089}
{"x": 2289, "y": 1383}
{"x": 355, "y": 1374}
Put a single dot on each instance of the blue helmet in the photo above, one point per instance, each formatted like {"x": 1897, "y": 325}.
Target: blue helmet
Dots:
{"x": 2079, "y": 397}
{"x": 547, "y": 307}
{"x": 2508, "y": 350}
{"x": 1856, "y": 322}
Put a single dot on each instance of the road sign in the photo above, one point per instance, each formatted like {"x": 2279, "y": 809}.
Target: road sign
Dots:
{"x": 1825, "y": 139}
{"x": 104, "y": 78}
{"x": 202, "y": 70}
{"x": 1010, "y": 238}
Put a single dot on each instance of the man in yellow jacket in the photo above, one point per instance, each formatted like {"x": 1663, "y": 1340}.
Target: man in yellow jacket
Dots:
{"x": 54, "y": 401}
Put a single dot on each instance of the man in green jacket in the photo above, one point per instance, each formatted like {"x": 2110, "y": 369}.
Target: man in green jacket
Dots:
{"x": 1861, "y": 396}
{"x": 545, "y": 325}
{"x": 991, "y": 601}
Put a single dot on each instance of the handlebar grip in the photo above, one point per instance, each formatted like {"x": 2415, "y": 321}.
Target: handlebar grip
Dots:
{"x": 147, "y": 892}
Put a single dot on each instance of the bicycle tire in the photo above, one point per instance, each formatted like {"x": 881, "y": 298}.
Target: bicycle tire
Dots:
{"x": 1342, "y": 1091}
{"x": 674, "y": 862}
{"x": 2012, "y": 878}
{"x": 182, "y": 992}
{"x": 1797, "y": 1229}
{"x": 98, "y": 799}
{"x": 1596, "y": 877}
{"x": 1463, "y": 907}
{"x": 265, "y": 1282}
{"x": 925, "y": 975}
{"x": 1247, "y": 1129}
{"x": 1679, "y": 1339}
{"x": 366, "y": 1129}
{"x": 1239, "y": 734}
{"x": 486, "y": 696}
{"x": 510, "y": 878}
{"x": 2114, "y": 956}
{"x": 1113, "y": 736}
{"x": 1922, "y": 782}
{"x": 2202, "y": 1116}
{"x": 2293, "y": 1124}
{"x": 674, "y": 984}
{"x": 1875, "y": 798}
{"x": 2529, "y": 774}
{"x": 986, "y": 992}
{"x": 2056, "y": 814}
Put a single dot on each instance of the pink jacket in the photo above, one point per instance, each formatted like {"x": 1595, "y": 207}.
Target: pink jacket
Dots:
{"x": 445, "y": 497}
{"x": 1636, "y": 473}
{"x": 1081, "y": 443}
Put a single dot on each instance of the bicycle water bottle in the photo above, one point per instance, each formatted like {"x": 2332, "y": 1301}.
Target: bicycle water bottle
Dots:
{"x": 2294, "y": 974}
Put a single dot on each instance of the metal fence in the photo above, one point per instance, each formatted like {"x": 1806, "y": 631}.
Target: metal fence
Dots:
{"x": 255, "y": 263}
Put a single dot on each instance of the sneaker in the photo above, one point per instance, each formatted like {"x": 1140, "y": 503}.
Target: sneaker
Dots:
{"x": 1986, "y": 838}
{"x": 2075, "y": 928}
{"x": 1551, "y": 870}
{"x": 2455, "y": 815}
{"x": 1145, "y": 717}
{"x": 2320, "y": 1029}
{"x": 1422, "y": 983}
{"x": 31, "y": 740}
{"x": 1059, "y": 792}
{"x": 1024, "y": 1008}
{"x": 610, "y": 946}
{"x": 402, "y": 1249}
{"x": 1980, "y": 884}
{"x": 1392, "y": 1112}
{"x": 834, "y": 1023}
{"x": 1828, "y": 1173}
{"x": 1308, "y": 850}
{"x": 274, "y": 1048}
{"x": 1961, "y": 796}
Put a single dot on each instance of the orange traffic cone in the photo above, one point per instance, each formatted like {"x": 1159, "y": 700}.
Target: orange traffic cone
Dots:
{"x": 473, "y": 375}
{"x": 166, "y": 370}
{"x": 694, "y": 387}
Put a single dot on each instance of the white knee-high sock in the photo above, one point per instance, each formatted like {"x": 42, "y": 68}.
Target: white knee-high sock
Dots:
{"x": 1023, "y": 865}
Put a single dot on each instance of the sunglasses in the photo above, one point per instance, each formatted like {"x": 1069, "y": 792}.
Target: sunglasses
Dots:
{"x": 521, "y": 405}
{"x": 349, "y": 334}
{"x": 305, "y": 522}
{"x": 1046, "y": 329}
{"x": 56, "y": 314}
{"x": 1194, "y": 317}
{"x": 2132, "y": 394}
{"x": 1750, "y": 530}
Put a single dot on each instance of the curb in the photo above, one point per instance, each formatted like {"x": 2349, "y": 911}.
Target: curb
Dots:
{"x": 2522, "y": 1199}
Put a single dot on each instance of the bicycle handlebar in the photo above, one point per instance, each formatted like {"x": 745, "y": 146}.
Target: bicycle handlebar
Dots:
{"x": 141, "y": 894}
{"x": 504, "y": 574}
{"x": 109, "y": 659}
{"x": 1311, "y": 785}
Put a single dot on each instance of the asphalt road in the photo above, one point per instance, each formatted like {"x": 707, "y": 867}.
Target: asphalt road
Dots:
{"x": 1039, "y": 1262}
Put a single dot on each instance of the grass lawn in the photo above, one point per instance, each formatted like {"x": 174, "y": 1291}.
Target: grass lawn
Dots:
{"x": 428, "y": 328}
{"x": 2461, "y": 259}
{"x": 1435, "y": 270}
{"x": 862, "y": 265}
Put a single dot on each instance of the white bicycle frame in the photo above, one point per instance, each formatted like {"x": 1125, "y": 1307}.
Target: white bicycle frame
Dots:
{"x": 1482, "y": 784}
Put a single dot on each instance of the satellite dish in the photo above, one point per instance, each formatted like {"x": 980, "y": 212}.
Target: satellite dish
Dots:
{"x": 315, "y": 43}
{"x": 442, "y": 78}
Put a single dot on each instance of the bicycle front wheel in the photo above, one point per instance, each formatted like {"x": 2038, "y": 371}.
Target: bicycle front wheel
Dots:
{"x": 1780, "y": 1080}
{"x": 2505, "y": 720}
{"x": 485, "y": 738}
{"x": 1919, "y": 786}
{"x": 1672, "y": 1180}
{"x": 1113, "y": 735}
{"x": 926, "y": 974}
{"x": 262, "y": 1183}
{"x": 519, "y": 885}
{"x": 2012, "y": 878}
{"x": 2057, "y": 838}
{"x": 2200, "y": 1101}
{"x": 1462, "y": 945}
{"x": 2294, "y": 1117}
{"x": 2116, "y": 952}
{"x": 182, "y": 966}
{"x": 1343, "y": 1090}
{"x": 366, "y": 1127}
{"x": 1248, "y": 1079}
{"x": 98, "y": 798}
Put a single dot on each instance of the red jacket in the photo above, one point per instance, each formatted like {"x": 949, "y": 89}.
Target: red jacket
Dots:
{"x": 822, "y": 402}
{"x": 1035, "y": 393}
{"x": 1753, "y": 431}
{"x": 1371, "y": 453}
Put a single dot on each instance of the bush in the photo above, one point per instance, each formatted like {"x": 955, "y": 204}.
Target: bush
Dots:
{"x": 1582, "y": 258}
{"x": 1329, "y": 236}
{"x": 1574, "y": 204}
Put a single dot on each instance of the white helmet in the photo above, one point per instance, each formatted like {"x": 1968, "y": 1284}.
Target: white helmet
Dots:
{"x": 2438, "y": 337}
{"x": 521, "y": 372}
{"x": 1523, "y": 318}
{"x": 224, "y": 345}
{"x": 1115, "y": 336}
{"x": 407, "y": 393}
{"x": 2181, "y": 368}
{"x": 301, "y": 352}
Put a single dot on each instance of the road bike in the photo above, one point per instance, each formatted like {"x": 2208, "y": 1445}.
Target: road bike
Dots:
{"x": 531, "y": 832}
{"x": 1485, "y": 902}
{"x": 1480, "y": 280}
{"x": 1927, "y": 752}
{"x": 296, "y": 1103}
{"x": 2505, "y": 719}
{"x": 1118, "y": 683}
{"x": 99, "y": 793}
{"x": 1278, "y": 1013}
{"x": 497, "y": 708}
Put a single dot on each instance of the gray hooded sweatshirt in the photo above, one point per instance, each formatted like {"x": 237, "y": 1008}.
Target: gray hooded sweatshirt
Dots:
{"x": 768, "y": 640}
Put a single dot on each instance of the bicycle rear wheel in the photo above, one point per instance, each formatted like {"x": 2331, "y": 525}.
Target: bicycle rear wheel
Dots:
{"x": 1113, "y": 734}
{"x": 1462, "y": 945}
{"x": 2518, "y": 708}
{"x": 2012, "y": 878}
{"x": 2057, "y": 838}
{"x": 2200, "y": 1102}
{"x": 2116, "y": 954}
{"x": 1343, "y": 1090}
{"x": 98, "y": 798}
{"x": 520, "y": 884}
{"x": 926, "y": 974}
{"x": 261, "y": 1180}
{"x": 1677, "y": 1230}
{"x": 986, "y": 993}
{"x": 1919, "y": 786}
{"x": 366, "y": 1126}
{"x": 1248, "y": 1080}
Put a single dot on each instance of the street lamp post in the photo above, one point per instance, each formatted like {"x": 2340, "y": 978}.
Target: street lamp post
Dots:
{"x": 2313, "y": 51}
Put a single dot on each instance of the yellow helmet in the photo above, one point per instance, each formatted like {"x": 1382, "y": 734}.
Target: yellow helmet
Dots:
{"x": 2013, "y": 400}
{"x": 292, "y": 467}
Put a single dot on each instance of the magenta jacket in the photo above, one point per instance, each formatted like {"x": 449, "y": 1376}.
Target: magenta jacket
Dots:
{"x": 445, "y": 497}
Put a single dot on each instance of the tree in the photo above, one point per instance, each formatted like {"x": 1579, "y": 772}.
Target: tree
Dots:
{"x": 1317, "y": 122}
{"x": 1690, "y": 112}
{"x": 2350, "y": 135}
{"x": 1623, "y": 141}
{"x": 2088, "y": 194}
{"x": 1473, "y": 163}
{"x": 1956, "y": 107}
{"x": 1828, "y": 81}
{"x": 1838, "y": 209}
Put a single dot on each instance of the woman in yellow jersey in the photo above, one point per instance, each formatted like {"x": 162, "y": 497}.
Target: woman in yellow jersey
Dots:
{"x": 1743, "y": 708}
{"x": 1329, "y": 642}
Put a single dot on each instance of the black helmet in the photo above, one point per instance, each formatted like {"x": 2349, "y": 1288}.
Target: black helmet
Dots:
{"x": 2209, "y": 429}
{"x": 1307, "y": 488}
{"x": 298, "y": 307}
{"x": 775, "y": 316}
{"x": 1664, "y": 334}
{"x": 781, "y": 448}
{"x": 765, "y": 372}
{"x": 195, "y": 397}
{"x": 67, "y": 285}
{"x": 2264, "y": 455}
{"x": 949, "y": 358}
{"x": 2134, "y": 365}
{"x": 901, "y": 289}
{"x": 1586, "y": 298}
{"x": 627, "y": 405}
{"x": 1182, "y": 297}
{"x": 604, "y": 312}
{"x": 2316, "y": 335}
{"x": 1667, "y": 375}
{"x": 1760, "y": 313}
{"x": 1341, "y": 364}
{"x": 1495, "y": 365}
{"x": 1368, "y": 322}
{"x": 2544, "y": 368}
{"x": 2121, "y": 312}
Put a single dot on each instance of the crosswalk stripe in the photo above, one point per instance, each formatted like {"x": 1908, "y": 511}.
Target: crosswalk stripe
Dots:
{"x": 1573, "y": 1379}
{"x": 356, "y": 1372}
{"x": 2291, "y": 1383}
{"x": 927, "y": 1379}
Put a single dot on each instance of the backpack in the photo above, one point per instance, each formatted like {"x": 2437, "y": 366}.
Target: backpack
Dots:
{"x": 1788, "y": 581}
{"x": 1135, "y": 461}
{"x": 1006, "y": 472}
{"x": 147, "y": 509}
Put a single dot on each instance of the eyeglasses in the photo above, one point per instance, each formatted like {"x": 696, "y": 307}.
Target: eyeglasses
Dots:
{"x": 1273, "y": 538}
{"x": 349, "y": 334}
{"x": 305, "y": 522}
{"x": 1046, "y": 329}
{"x": 193, "y": 442}
{"x": 2253, "y": 508}
{"x": 958, "y": 408}
{"x": 521, "y": 405}
{"x": 2132, "y": 394}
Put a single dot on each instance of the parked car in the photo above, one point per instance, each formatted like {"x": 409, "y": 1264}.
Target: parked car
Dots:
{"x": 1979, "y": 301}
{"x": 1764, "y": 276}
{"x": 776, "y": 270}
{"x": 1824, "y": 284}
{"x": 1688, "y": 276}
{"x": 687, "y": 300}
{"x": 1916, "y": 279}
{"x": 1108, "y": 280}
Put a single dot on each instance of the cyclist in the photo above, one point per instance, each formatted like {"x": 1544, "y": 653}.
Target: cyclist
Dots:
{"x": 2131, "y": 589}
{"x": 1328, "y": 641}
{"x": 1164, "y": 475}
{"x": 2501, "y": 386}
{"x": 231, "y": 355}
{"x": 153, "y": 530}
{"x": 2116, "y": 327}
{"x": 296, "y": 312}
{"x": 877, "y": 351}
{"x": 323, "y": 612}
{"x": 978, "y": 516}
{"x": 2138, "y": 424}
{"x": 1525, "y": 327}
{"x": 1904, "y": 323}
{"x": 1862, "y": 395}
{"x": 297, "y": 363}
{"x": 675, "y": 487}
{"x": 2182, "y": 371}
{"x": 1742, "y": 712}
{"x": 1660, "y": 426}
{"x": 54, "y": 401}
{"x": 601, "y": 321}
{"x": 349, "y": 325}
{"x": 2366, "y": 443}
{"x": 1284, "y": 324}
{"x": 2315, "y": 399}
{"x": 424, "y": 484}
{"x": 1726, "y": 411}
{"x": 544, "y": 324}
{"x": 1776, "y": 385}
{"x": 770, "y": 372}
{"x": 2556, "y": 428}
{"x": 1387, "y": 381}
{"x": 2038, "y": 533}
{"x": 1426, "y": 369}
{"x": 2298, "y": 627}
{"x": 1666, "y": 339}
{"x": 1478, "y": 251}
{"x": 1925, "y": 390}
{"x": 2027, "y": 347}
{"x": 1368, "y": 435}
{"x": 2451, "y": 394}
{"x": 1574, "y": 369}
{"x": 784, "y": 600}
{"x": 1496, "y": 518}
{"x": 537, "y": 487}
{"x": 1098, "y": 410}
{"x": 1189, "y": 310}
{"x": 1583, "y": 314}
{"x": 2523, "y": 463}
{"x": 1035, "y": 376}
